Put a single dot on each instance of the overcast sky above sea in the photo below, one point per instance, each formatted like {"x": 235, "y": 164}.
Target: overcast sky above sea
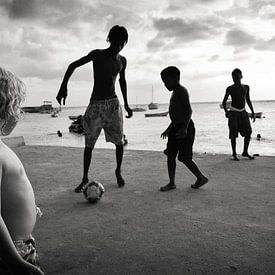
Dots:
{"x": 206, "y": 39}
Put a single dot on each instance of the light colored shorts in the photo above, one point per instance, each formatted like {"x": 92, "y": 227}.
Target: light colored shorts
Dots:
{"x": 103, "y": 114}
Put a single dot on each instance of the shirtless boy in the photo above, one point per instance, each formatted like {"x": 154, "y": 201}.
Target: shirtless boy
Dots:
{"x": 238, "y": 120}
{"x": 181, "y": 131}
{"x": 17, "y": 203}
{"x": 104, "y": 110}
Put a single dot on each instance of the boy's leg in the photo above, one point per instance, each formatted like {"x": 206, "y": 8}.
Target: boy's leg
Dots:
{"x": 119, "y": 157}
{"x": 171, "y": 165}
{"x": 233, "y": 146}
{"x": 87, "y": 156}
{"x": 245, "y": 147}
{"x": 201, "y": 179}
{"x": 233, "y": 122}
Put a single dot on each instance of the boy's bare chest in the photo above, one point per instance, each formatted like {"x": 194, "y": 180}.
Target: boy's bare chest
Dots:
{"x": 238, "y": 92}
{"x": 108, "y": 65}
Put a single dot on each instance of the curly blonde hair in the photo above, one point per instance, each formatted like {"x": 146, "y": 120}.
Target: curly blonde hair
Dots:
{"x": 12, "y": 94}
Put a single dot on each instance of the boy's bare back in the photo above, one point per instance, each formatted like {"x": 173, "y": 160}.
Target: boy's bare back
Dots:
{"x": 179, "y": 105}
{"x": 17, "y": 202}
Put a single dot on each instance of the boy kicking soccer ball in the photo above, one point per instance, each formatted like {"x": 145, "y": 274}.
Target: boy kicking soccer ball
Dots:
{"x": 181, "y": 131}
{"x": 18, "y": 254}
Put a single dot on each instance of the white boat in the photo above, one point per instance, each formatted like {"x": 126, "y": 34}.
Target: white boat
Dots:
{"x": 228, "y": 105}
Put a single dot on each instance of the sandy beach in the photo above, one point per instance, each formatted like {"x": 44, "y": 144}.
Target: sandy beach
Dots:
{"x": 225, "y": 227}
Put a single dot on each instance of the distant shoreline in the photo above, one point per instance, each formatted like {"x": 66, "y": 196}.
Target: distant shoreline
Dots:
{"x": 164, "y": 103}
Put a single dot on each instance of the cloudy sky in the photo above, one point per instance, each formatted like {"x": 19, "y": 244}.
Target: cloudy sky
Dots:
{"x": 206, "y": 39}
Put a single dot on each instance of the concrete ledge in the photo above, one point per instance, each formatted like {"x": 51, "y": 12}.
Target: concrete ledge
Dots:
{"x": 14, "y": 141}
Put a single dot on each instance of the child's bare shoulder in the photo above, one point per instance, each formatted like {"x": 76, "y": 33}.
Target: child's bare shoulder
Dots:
{"x": 7, "y": 157}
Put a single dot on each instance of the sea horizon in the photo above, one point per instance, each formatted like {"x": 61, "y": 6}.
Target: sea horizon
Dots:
{"x": 143, "y": 133}
{"x": 144, "y": 104}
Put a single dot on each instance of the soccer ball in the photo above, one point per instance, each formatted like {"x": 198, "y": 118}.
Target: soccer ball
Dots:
{"x": 93, "y": 191}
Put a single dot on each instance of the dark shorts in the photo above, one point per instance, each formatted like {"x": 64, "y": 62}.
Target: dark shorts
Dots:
{"x": 181, "y": 146}
{"x": 238, "y": 122}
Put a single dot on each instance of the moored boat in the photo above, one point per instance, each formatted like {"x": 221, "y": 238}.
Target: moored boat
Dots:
{"x": 228, "y": 106}
{"x": 77, "y": 124}
{"x": 153, "y": 105}
{"x": 156, "y": 114}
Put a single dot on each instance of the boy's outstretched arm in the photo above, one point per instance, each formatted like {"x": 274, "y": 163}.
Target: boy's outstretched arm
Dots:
{"x": 123, "y": 87}
{"x": 249, "y": 103}
{"x": 8, "y": 252}
{"x": 63, "y": 91}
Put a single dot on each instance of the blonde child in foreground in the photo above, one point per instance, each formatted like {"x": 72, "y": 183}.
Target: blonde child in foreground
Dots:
{"x": 17, "y": 203}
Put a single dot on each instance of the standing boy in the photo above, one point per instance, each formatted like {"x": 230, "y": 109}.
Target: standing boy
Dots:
{"x": 104, "y": 110}
{"x": 238, "y": 120}
{"x": 181, "y": 131}
{"x": 18, "y": 211}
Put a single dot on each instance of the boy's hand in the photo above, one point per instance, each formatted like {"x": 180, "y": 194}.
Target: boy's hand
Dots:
{"x": 253, "y": 118}
{"x": 226, "y": 114}
{"x": 62, "y": 94}
{"x": 129, "y": 111}
{"x": 165, "y": 134}
{"x": 181, "y": 133}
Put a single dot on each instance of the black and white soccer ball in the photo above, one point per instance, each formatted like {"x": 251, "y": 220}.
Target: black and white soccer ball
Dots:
{"x": 93, "y": 191}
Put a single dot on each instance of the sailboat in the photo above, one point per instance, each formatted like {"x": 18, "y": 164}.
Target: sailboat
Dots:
{"x": 152, "y": 105}
{"x": 138, "y": 109}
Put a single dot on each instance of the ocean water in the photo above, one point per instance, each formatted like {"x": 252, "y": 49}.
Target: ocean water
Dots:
{"x": 144, "y": 133}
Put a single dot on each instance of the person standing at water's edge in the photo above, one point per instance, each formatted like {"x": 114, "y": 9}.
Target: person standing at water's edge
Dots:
{"x": 104, "y": 110}
{"x": 238, "y": 120}
{"x": 181, "y": 131}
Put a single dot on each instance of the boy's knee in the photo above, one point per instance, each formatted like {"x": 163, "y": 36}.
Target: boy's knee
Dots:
{"x": 185, "y": 160}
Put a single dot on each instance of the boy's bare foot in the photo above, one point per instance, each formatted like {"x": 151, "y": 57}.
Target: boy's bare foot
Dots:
{"x": 120, "y": 180}
{"x": 80, "y": 187}
{"x": 167, "y": 187}
{"x": 246, "y": 155}
{"x": 234, "y": 157}
{"x": 200, "y": 182}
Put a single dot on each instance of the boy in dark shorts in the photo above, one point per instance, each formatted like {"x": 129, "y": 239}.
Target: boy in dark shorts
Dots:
{"x": 181, "y": 131}
{"x": 238, "y": 120}
{"x": 104, "y": 110}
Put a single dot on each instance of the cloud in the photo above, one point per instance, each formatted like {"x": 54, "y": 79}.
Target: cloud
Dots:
{"x": 242, "y": 40}
{"x": 214, "y": 58}
{"x": 17, "y": 9}
{"x": 239, "y": 38}
{"x": 266, "y": 45}
{"x": 181, "y": 31}
{"x": 267, "y": 12}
